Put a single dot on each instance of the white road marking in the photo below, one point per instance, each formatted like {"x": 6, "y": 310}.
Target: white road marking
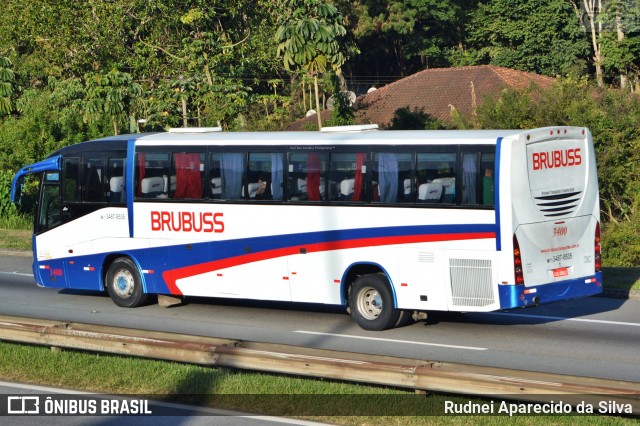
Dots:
{"x": 16, "y": 273}
{"x": 378, "y": 339}
{"x": 548, "y": 317}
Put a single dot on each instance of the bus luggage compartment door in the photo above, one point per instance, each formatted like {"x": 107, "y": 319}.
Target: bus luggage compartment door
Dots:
{"x": 421, "y": 283}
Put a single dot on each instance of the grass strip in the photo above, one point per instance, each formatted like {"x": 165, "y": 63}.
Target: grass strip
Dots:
{"x": 15, "y": 239}
{"x": 250, "y": 391}
{"x": 621, "y": 278}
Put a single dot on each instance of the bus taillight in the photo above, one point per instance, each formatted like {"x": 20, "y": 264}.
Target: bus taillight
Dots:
{"x": 598, "y": 255}
{"x": 517, "y": 262}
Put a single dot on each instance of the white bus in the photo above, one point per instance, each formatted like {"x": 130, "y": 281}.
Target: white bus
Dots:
{"x": 389, "y": 224}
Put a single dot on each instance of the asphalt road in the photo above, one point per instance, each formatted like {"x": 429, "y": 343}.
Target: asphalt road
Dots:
{"x": 591, "y": 337}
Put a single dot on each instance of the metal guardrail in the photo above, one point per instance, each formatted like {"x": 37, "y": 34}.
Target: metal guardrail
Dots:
{"x": 373, "y": 369}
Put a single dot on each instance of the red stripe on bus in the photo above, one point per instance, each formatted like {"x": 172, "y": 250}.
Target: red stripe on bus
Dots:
{"x": 173, "y": 275}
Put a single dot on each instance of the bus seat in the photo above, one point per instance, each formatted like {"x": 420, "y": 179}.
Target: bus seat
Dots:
{"x": 253, "y": 189}
{"x": 407, "y": 186}
{"x": 449, "y": 184}
{"x": 216, "y": 186}
{"x": 346, "y": 189}
{"x": 116, "y": 186}
{"x": 152, "y": 186}
{"x": 430, "y": 192}
{"x": 302, "y": 186}
{"x": 169, "y": 183}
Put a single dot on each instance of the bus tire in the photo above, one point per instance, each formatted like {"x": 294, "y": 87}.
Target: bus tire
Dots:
{"x": 124, "y": 283}
{"x": 371, "y": 303}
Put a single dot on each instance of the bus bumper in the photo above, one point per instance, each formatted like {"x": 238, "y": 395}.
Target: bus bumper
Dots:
{"x": 517, "y": 296}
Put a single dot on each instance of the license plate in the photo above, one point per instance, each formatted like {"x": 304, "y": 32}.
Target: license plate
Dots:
{"x": 560, "y": 272}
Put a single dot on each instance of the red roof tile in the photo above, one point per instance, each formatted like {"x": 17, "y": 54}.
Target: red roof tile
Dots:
{"x": 436, "y": 91}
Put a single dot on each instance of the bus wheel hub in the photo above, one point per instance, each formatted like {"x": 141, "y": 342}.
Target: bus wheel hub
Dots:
{"x": 124, "y": 283}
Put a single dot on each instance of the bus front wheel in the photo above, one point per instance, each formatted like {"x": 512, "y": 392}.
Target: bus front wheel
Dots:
{"x": 124, "y": 283}
{"x": 371, "y": 303}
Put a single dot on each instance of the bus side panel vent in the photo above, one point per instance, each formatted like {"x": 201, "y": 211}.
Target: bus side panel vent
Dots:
{"x": 426, "y": 257}
{"x": 471, "y": 282}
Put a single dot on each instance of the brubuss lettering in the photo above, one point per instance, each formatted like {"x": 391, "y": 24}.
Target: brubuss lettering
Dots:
{"x": 556, "y": 159}
{"x": 186, "y": 221}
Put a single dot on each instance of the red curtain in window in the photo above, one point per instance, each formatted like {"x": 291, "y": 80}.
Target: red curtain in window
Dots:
{"x": 358, "y": 182}
{"x": 188, "y": 180}
{"x": 141, "y": 162}
{"x": 313, "y": 177}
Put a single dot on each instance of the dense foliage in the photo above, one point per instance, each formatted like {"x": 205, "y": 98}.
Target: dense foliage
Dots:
{"x": 72, "y": 71}
{"x": 612, "y": 117}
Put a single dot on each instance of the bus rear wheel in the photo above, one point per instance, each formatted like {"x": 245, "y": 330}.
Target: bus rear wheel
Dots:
{"x": 124, "y": 283}
{"x": 371, "y": 303}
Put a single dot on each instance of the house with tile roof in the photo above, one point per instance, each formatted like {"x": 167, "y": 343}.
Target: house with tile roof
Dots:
{"x": 436, "y": 91}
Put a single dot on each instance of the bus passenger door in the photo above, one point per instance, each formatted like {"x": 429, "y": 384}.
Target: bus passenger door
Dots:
{"x": 48, "y": 264}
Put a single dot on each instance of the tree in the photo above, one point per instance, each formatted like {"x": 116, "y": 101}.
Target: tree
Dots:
{"x": 110, "y": 94}
{"x": 218, "y": 55}
{"x": 309, "y": 38}
{"x": 620, "y": 42}
{"x": 341, "y": 113}
{"x": 208, "y": 60}
{"x": 405, "y": 118}
{"x": 612, "y": 26}
{"x": 405, "y": 36}
{"x": 6, "y": 78}
{"x": 541, "y": 36}
{"x": 610, "y": 114}
{"x": 588, "y": 14}
{"x": 66, "y": 39}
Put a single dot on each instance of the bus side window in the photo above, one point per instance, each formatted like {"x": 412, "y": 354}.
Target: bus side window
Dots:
{"x": 348, "y": 176}
{"x": 265, "y": 176}
{"x": 307, "y": 176}
{"x": 232, "y": 166}
{"x": 477, "y": 178}
{"x": 93, "y": 189}
{"x": 115, "y": 175}
{"x": 392, "y": 178}
{"x": 187, "y": 173}
{"x": 470, "y": 178}
{"x": 215, "y": 176}
{"x": 487, "y": 166}
{"x": 71, "y": 175}
{"x": 436, "y": 180}
{"x": 152, "y": 174}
